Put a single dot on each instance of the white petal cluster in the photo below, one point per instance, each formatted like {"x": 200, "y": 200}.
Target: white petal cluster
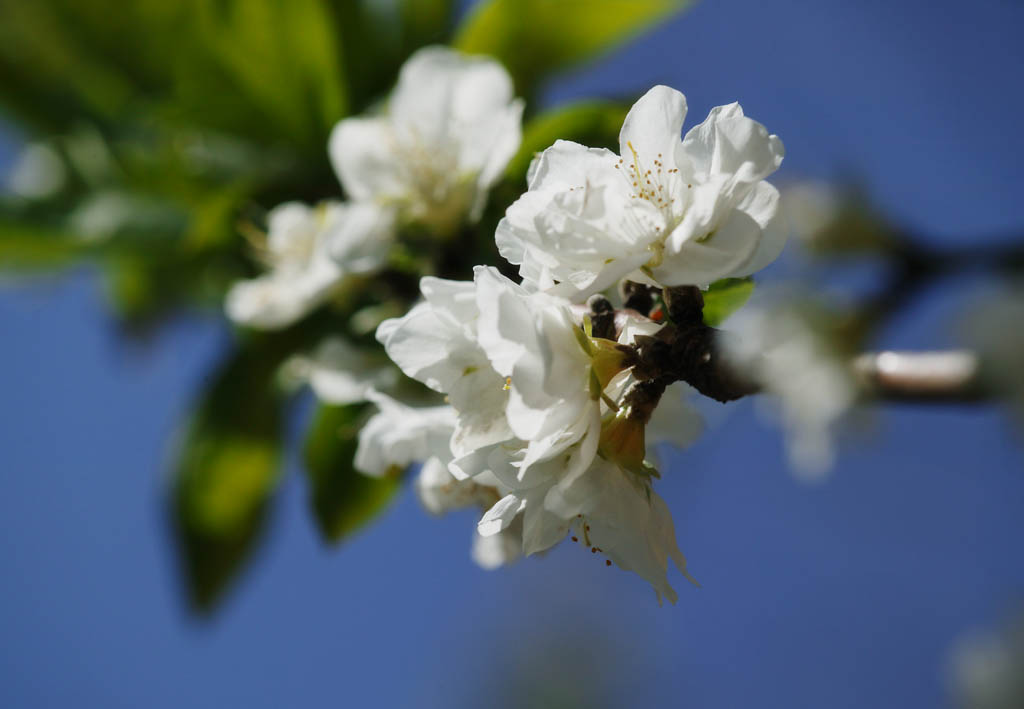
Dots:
{"x": 308, "y": 251}
{"x": 450, "y": 128}
{"x": 519, "y": 377}
{"x": 399, "y": 435}
{"x": 678, "y": 211}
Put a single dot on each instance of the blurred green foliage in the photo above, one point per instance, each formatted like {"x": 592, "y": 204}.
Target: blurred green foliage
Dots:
{"x": 171, "y": 127}
{"x": 533, "y": 37}
{"x": 342, "y": 499}
{"x": 725, "y": 297}
{"x": 228, "y": 469}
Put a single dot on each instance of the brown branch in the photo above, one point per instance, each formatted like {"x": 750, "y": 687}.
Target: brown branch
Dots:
{"x": 685, "y": 349}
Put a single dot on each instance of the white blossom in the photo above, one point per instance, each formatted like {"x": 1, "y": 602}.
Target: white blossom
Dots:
{"x": 986, "y": 668}
{"x": 308, "y": 252}
{"x": 813, "y": 387}
{"x": 450, "y": 128}
{"x": 680, "y": 211}
{"x": 399, "y": 435}
{"x": 440, "y": 492}
{"x": 512, "y": 366}
{"x": 810, "y": 208}
{"x": 436, "y": 343}
{"x": 38, "y": 173}
{"x": 339, "y": 373}
{"x": 471, "y": 341}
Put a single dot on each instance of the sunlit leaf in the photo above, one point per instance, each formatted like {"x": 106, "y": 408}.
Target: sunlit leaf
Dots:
{"x": 227, "y": 472}
{"x": 282, "y": 59}
{"x": 725, "y": 297}
{"x": 343, "y": 499}
{"x": 536, "y": 37}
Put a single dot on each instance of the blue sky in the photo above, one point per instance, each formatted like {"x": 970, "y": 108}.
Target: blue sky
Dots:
{"x": 846, "y": 594}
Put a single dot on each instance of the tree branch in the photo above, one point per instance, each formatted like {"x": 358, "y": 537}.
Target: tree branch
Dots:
{"x": 685, "y": 349}
{"x": 927, "y": 377}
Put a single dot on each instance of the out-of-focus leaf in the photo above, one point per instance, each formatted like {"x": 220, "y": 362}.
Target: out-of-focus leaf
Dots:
{"x": 536, "y": 37}
{"x": 595, "y": 124}
{"x": 28, "y": 246}
{"x": 283, "y": 60}
{"x": 424, "y": 22}
{"x": 227, "y": 472}
{"x": 725, "y": 297}
{"x": 342, "y": 498}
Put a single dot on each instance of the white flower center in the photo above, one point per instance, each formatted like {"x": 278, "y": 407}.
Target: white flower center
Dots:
{"x": 296, "y": 247}
{"x": 661, "y": 186}
{"x": 429, "y": 167}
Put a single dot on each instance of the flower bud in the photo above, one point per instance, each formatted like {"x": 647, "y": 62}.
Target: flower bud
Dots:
{"x": 623, "y": 442}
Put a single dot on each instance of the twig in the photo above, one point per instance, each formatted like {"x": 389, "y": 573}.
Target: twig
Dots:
{"x": 933, "y": 377}
{"x": 685, "y": 349}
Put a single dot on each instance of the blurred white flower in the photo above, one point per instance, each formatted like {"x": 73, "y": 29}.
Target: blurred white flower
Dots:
{"x": 339, "y": 373}
{"x": 988, "y": 669}
{"x": 451, "y": 126}
{"x": 994, "y": 328}
{"x": 813, "y": 388}
{"x": 39, "y": 172}
{"x": 309, "y": 250}
{"x": 498, "y": 549}
{"x": 681, "y": 211}
{"x": 810, "y": 207}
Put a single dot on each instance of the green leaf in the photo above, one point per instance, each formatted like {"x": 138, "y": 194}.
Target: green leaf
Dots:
{"x": 724, "y": 297}
{"x": 595, "y": 124}
{"x": 281, "y": 58}
{"x": 536, "y": 37}
{"x": 227, "y": 472}
{"x": 29, "y": 246}
{"x": 342, "y": 498}
{"x": 424, "y": 22}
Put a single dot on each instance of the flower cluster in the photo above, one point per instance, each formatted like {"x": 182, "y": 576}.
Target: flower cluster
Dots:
{"x": 546, "y": 422}
{"x": 668, "y": 210}
{"x": 450, "y": 128}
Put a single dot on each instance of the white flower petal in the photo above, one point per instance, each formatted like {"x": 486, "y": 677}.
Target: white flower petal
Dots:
{"x": 362, "y": 154}
{"x": 762, "y": 204}
{"x": 654, "y": 125}
{"x": 421, "y": 343}
{"x": 500, "y": 515}
{"x": 361, "y": 241}
{"x": 703, "y": 261}
{"x": 729, "y": 142}
{"x": 399, "y": 435}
